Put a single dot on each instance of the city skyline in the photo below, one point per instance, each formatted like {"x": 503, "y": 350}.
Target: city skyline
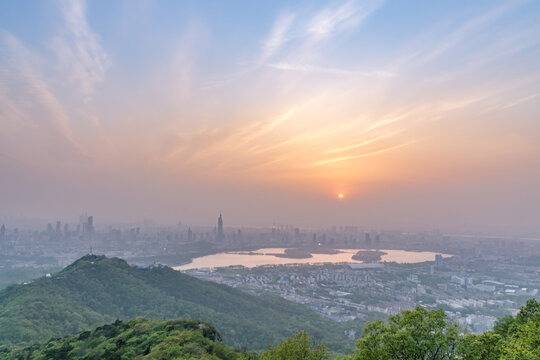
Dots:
{"x": 376, "y": 113}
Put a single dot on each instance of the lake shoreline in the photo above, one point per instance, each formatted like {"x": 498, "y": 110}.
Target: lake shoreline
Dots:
{"x": 286, "y": 256}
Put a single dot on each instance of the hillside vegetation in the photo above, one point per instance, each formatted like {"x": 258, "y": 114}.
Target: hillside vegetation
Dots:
{"x": 137, "y": 338}
{"x": 96, "y": 290}
{"x": 411, "y": 335}
{"x": 421, "y": 334}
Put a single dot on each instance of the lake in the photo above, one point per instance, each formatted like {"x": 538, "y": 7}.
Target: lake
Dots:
{"x": 268, "y": 257}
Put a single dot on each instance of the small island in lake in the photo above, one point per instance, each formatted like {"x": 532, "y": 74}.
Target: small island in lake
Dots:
{"x": 294, "y": 254}
{"x": 305, "y": 253}
{"x": 368, "y": 256}
{"x": 322, "y": 250}
{"x": 245, "y": 253}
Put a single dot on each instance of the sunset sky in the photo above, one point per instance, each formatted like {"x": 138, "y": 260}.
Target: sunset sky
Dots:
{"x": 421, "y": 114}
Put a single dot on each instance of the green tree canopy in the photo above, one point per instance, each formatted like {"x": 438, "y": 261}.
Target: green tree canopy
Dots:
{"x": 299, "y": 347}
{"x": 522, "y": 340}
{"x": 417, "y": 334}
{"x": 486, "y": 346}
{"x": 512, "y": 338}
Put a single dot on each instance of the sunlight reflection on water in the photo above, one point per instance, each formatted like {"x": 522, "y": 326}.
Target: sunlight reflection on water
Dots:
{"x": 265, "y": 257}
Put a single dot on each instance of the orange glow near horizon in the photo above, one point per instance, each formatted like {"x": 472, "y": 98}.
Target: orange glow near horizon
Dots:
{"x": 275, "y": 118}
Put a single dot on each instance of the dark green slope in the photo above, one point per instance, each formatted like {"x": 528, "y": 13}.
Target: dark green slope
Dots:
{"x": 96, "y": 290}
{"x": 137, "y": 338}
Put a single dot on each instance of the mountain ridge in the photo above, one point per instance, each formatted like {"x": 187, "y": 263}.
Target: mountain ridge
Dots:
{"x": 95, "y": 290}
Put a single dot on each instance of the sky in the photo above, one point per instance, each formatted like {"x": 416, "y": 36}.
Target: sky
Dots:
{"x": 422, "y": 114}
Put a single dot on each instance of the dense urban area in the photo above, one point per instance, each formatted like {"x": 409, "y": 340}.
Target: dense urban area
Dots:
{"x": 478, "y": 280}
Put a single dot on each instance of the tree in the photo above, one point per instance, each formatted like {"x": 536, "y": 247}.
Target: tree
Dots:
{"x": 418, "y": 334}
{"x": 530, "y": 311}
{"x": 486, "y": 346}
{"x": 512, "y": 338}
{"x": 504, "y": 325}
{"x": 297, "y": 348}
{"x": 523, "y": 334}
{"x": 524, "y": 344}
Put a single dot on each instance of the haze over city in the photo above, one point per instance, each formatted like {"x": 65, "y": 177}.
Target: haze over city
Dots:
{"x": 270, "y": 180}
{"x": 384, "y": 114}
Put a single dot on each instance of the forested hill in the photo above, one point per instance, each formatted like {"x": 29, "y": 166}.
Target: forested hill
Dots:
{"x": 417, "y": 334}
{"x": 138, "y": 338}
{"x": 96, "y": 290}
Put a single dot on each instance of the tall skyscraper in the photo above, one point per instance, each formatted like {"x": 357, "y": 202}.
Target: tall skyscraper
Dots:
{"x": 220, "y": 228}
{"x": 438, "y": 260}
{"x": 368, "y": 240}
{"x": 90, "y": 225}
{"x": 2, "y": 232}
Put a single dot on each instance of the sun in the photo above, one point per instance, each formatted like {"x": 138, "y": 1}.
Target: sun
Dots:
{"x": 341, "y": 196}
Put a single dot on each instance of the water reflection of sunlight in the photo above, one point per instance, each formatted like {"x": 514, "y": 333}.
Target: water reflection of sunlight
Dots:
{"x": 267, "y": 256}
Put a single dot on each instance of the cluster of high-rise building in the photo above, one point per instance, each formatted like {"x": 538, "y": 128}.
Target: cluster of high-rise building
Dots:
{"x": 219, "y": 234}
{"x": 84, "y": 227}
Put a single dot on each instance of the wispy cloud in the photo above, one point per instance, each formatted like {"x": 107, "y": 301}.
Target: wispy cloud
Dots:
{"x": 362, "y": 155}
{"x": 253, "y": 132}
{"x": 330, "y": 71}
{"x": 331, "y": 19}
{"x": 277, "y": 37}
{"x": 519, "y": 101}
{"x": 306, "y": 33}
{"x": 259, "y": 150}
{"x": 79, "y": 49}
{"x": 455, "y": 104}
{"x": 238, "y": 140}
{"x": 467, "y": 30}
{"x": 361, "y": 144}
{"x": 386, "y": 121}
{"x": 26, "y": 92}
